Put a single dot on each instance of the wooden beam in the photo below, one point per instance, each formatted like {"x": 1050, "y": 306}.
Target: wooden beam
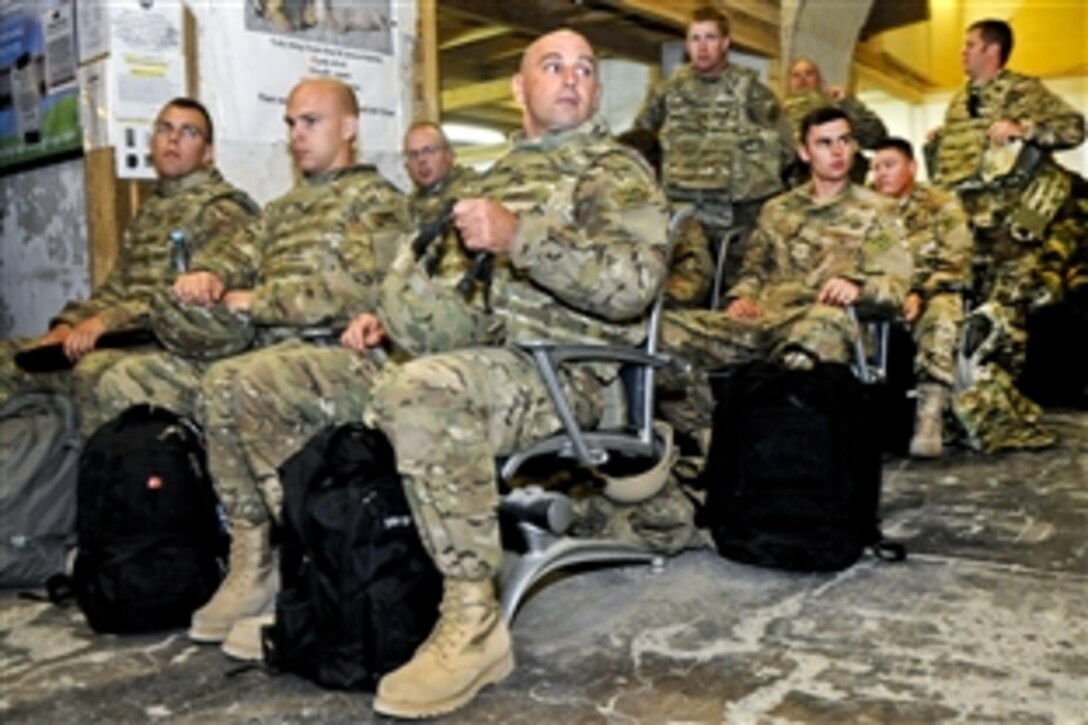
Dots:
{"x": 111, "y": 204}
{"x": 476, "y": 35}
{"x": 752, "y": 25}
{"x": 476, "y": 94}
{"x": 538, "y": 17}
{"x": 425, "y": 63}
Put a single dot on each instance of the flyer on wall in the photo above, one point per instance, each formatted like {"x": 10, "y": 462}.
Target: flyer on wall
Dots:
{"x": 39, "y": 93}
{"x": 279, "y": 43}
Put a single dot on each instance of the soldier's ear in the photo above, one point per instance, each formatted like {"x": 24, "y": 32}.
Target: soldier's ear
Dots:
{"x": 517, "y": 87}
{"x": 350, "y": 127}
{"x": 802, "y": 152}
{"x": 209, "y": 155}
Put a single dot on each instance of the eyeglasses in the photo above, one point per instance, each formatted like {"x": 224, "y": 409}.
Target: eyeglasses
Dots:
{"x": 974, "y": 100}
{"x": 186, "y": 130}
{"x": 416, "y": 154}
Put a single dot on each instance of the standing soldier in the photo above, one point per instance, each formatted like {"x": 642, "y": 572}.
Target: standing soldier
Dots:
{"x": 995, "y": 151}
{"x": 311, "y": 263}
{"x": 726, "y": 141}
{"x": 432, "y": 165}
{"x": 191, "y": 204}
{"x": 819, "y": 248}
{"x": 578, "y": 230}
{"x": 941, "y": 243}
{"x": 807, "y": 92}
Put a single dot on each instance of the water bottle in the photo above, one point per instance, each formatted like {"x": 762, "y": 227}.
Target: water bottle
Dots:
{"x": 179, "y": 251}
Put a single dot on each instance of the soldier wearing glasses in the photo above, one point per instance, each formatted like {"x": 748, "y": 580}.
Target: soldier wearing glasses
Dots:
{"x": 432, "y": 164}
{"x": 192, "y": 202}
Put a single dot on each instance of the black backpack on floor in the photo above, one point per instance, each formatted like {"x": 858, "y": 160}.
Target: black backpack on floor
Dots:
{"x": 152, "y": 548}
{"x": 794, "y": 473}
{"x": 359, "y": 593}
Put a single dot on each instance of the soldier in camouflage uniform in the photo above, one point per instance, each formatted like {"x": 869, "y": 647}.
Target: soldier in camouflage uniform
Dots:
{"x": 691, "y": 272}
{"x": 941, "y": 243}
{"x": 308, "y": 266}
{"x": 1010, "y": 209}
{"x": 807, "y": 92}
{"x": 817, "y": 249}
{"x": 190, "y": 198}
{"x": 431, "y": 163}
{"x": 995, "y": 150}
{"x": 578, "y": 230}
{"x": 726, "y": 141}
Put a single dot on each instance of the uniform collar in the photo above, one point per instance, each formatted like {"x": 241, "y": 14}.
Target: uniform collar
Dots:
{"x": 329, "y": 176}
{"x": 594, "y": 126}
{"x": 170, "y": 187}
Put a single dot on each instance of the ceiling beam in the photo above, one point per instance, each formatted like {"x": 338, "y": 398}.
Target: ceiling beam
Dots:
{"x": 476, "y": 35}
{"x": 752, "y": 25}
{"x": 476, "y": 94}
{"x": 538, "y": 17}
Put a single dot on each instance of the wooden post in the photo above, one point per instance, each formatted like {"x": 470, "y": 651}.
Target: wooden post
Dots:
{"x": 426, "y": 101}
{"x": 111, "y": 204}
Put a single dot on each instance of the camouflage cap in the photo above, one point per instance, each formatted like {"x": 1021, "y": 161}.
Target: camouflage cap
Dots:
{"x": 201, "y": 333}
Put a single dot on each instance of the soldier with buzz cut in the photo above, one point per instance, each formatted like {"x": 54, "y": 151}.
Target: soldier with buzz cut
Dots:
{"x": 995, "y": 151}
{"x": 312, "y": 263}
{"x": 192, "y": 204}
{"x": 726, "y": 141}
{"x": 432, "y": 164}
{"x": 578, "y": 230}
{"x": 817, "y": 249}
{"x": 941, "y": 243}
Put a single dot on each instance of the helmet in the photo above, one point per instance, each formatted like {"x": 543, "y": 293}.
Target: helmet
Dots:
{"x": 201, "y": 333}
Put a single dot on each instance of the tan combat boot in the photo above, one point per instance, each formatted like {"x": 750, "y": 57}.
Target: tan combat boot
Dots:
{"x": 249, "y": 589}
{"x": 468, "y": 649}
{"x": 927, "y": 442}
{"x": 245, "y": 641}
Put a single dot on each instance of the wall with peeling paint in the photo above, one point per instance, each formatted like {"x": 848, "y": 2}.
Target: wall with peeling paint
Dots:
{"x": 43, "y": 246}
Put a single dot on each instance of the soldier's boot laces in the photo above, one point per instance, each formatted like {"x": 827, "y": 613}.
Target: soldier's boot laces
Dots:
{"x": 468, "y": 649}
{"x": 249, "y": 588}
{"x": 927, "y": 441}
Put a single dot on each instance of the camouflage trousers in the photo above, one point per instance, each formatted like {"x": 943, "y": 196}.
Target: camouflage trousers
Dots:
{"x": 721, "y": 218}
{"x": 448, "y": 417}
{"x": 78, "y": 383}
{"x": 937, "y": 336}
{"x": 257, "y": 409}
{"x": 1008, "y": 275}
{"x": 705, "y": 340}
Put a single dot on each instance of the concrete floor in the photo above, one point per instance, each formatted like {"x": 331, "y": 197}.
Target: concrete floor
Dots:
{"x": 986, "y": 622}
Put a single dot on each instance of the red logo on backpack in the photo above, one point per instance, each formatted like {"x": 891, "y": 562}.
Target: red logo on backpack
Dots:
{"x": 154, "y": 483}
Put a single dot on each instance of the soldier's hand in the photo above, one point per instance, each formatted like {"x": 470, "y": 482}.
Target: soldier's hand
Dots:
{"x": 838, "y": 292}
{"x": 199, "y": 288}
{"x": 912, "y": 307}
{"x": 58, "y": 333}
{"x": 485, "y": 225}
{"x": 835, "y": 93}
{"x": 81, "y": 340}
{"x": 238, "y": 300}
{"x": 743, "y": 308}
{"x": 1005, "y": 130}
{"x": 364, "y": 332}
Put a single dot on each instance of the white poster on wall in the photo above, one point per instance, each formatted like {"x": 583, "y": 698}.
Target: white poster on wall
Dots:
{"x": 266, "y": 51}
{"x": 147, "y": 68}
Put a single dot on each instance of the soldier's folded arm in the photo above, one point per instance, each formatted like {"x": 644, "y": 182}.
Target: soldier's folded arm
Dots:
{"x": 652, "y": 115}
{"x": 233, "y": 258}
{"x": 610, "y": 260}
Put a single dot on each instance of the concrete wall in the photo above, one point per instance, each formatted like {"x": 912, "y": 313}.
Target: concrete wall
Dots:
{"x": 43, "y": 246}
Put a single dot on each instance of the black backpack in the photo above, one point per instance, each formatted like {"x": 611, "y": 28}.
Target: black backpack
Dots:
{"x": 794, "y": 472}
{"x": 152, "y": 547}
{"x": 359, "y": 593}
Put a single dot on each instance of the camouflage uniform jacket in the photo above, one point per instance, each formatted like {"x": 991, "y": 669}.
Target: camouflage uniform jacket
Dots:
{"x": 316, "y": 256}
{"x": 939, "y": 239}
{"x": 427, "y": 203}
{"x": 1048, "y": 121}
{"x": 586, "y": 263}
{"x": 869, "y": 130}
{"x": 801, "y": 243}
{"x": 202, "y": 205}
{"x": 722, "y": 136}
